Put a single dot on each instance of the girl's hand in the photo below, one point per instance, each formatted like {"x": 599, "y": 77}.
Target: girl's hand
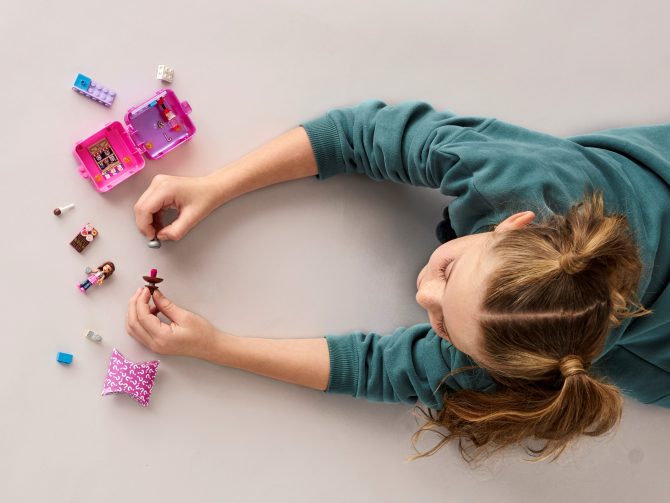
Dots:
{"x": 193, "y": 197}
{"x": 188, "y": 334}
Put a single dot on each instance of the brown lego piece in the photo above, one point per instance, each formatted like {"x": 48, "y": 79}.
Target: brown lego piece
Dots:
{"x": 152, "y": 281}
{"x": 85, "y": 236}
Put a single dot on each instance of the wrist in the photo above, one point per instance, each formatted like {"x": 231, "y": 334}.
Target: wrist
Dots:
{"x": 222, "y": 188}
{"x": 218, "y": 350}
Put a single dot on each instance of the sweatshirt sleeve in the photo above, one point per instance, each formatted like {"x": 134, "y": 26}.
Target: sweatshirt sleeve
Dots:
{"x": 491, "y": 167}
{"x": 387, "y": 142}
{"x": 408, "y": 366}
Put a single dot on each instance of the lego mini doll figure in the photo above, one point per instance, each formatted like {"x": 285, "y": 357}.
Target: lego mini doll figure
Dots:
{"x": 96, "y": 276}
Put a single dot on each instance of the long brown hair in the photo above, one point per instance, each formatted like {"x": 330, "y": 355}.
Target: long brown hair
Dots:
{"x": 562, "y": 284}
{"x": 111, "y": 265}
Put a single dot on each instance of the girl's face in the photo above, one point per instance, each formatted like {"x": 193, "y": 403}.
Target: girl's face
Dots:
{"x": 451, "y": 285}
{"x": 107, "y": 269}
{"x": 450, "y": 288}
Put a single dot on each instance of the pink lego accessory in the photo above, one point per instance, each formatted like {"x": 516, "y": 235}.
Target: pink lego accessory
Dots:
{"x": 152, "y": 281}
{"x": 134, "y": 379}
{"x": 155, "y": 127}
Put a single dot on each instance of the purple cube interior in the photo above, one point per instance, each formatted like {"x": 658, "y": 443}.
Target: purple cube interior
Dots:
{"x": 144, "y": 124}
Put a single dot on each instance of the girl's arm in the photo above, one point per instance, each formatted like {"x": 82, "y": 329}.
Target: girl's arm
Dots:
{"x": 287, "y": 157}
{"x": 408, "y": 366}
{"x": 299, "y": 361}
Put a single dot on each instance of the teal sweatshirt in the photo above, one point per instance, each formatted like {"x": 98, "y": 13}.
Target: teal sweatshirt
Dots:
{"x": 495, "y": 169}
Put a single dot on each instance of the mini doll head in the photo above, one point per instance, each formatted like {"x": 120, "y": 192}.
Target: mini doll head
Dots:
{"x": 107, "y": 268}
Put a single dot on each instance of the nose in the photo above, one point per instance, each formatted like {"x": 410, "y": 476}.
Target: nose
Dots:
{"x": 428, "y": 295}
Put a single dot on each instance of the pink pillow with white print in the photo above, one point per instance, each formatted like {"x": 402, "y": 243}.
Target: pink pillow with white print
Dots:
{"x": 134, "y": 379}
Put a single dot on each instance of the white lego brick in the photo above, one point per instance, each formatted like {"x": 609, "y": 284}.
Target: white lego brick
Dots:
{"x": 165, "y": 73}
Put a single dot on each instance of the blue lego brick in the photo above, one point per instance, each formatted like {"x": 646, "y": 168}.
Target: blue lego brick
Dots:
{"x": 65, "y": 358}
{"x": 93, "y": 90}
{"x": 82, "y": 82}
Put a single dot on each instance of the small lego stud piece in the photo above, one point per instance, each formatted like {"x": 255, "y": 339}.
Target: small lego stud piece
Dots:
{"x": 165, "y": 73}
{"x": 154, "y": 243}
{"x": 92, "y": 336}
{"x": 65, "y": 358}
{"x": 152, "y": 281}
{"x": 58, "y": 211}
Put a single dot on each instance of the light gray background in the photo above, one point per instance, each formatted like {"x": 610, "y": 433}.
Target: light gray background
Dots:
{"x": 296, "y": 260}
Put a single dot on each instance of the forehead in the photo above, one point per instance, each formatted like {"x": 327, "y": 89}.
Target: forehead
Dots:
{"x": 473, "y": 244}
{"x": 473, "y": 264}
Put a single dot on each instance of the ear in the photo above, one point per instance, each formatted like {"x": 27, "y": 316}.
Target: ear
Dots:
{"x": 516, "y": 221}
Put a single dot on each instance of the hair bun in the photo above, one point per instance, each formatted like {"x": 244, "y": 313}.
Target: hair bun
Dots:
{"x": 571, "y": 365}
{"x": 572, "y": 263}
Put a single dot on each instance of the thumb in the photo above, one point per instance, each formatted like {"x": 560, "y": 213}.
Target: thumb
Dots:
{"x": 179, "y": 228}
{"x": 168, "y": 308}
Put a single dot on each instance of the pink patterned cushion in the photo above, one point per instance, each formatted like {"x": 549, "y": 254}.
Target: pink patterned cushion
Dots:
{"x": 134, "y": 379}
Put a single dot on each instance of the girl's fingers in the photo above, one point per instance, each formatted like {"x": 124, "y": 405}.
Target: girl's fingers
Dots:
{"x": 154, "y": 199}
{"x": 134, "y": 328}
{"x": 149, "y": 322}
{"x": 178, "y": 228}
{"x": 169, "y": 309}
{"x": 144, "y": 216}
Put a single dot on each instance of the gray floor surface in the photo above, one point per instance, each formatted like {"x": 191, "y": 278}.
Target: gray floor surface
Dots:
{"x": 297, "y": 260}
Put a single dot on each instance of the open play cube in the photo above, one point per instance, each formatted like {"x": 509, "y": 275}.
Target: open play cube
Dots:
{"x": 155, "y": 127}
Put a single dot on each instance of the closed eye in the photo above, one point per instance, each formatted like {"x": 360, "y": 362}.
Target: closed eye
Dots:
{"x": 443, "y": 269}
{"x": 441, "y": 325}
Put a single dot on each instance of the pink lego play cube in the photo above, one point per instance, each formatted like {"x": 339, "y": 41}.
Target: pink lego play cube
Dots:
{"x": 155, "y": 127}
